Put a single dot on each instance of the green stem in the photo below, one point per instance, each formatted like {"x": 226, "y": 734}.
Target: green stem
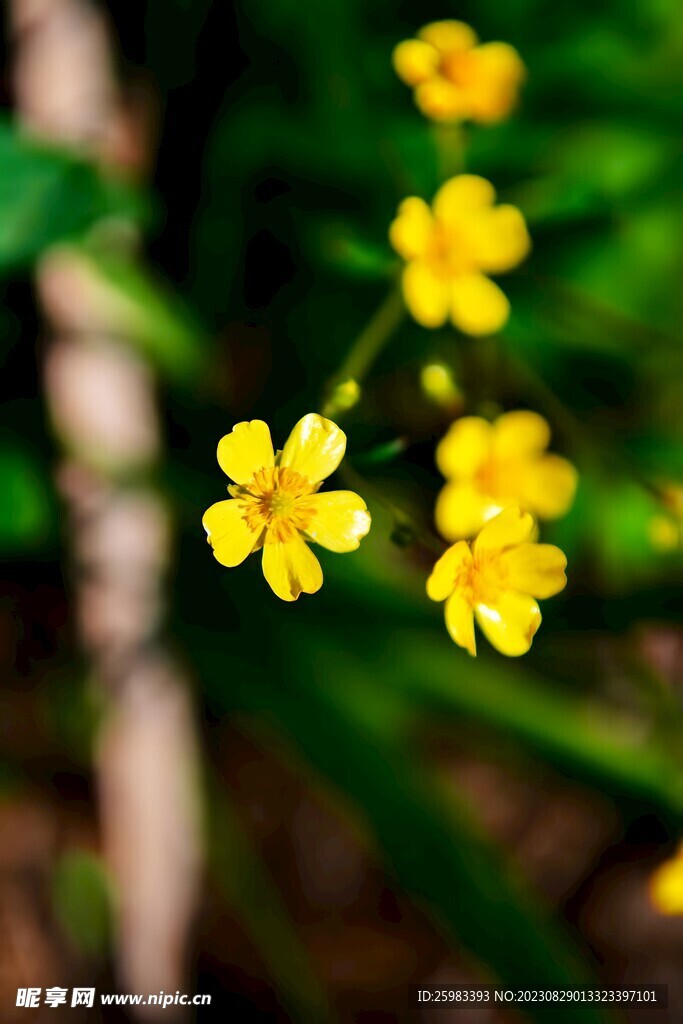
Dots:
{"x": 450, "y": 144}
{"x": 364, "y": 351}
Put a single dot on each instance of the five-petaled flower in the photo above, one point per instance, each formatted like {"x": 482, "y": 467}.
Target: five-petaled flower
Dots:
{"x": 497, "y": 579}
{"x": 455, "y": 78}
{"x": 275, "y": 504}
{"x": 489, "y": 466}
{"x": 450, "y": 248}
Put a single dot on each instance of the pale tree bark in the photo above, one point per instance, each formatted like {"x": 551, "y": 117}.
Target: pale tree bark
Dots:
{"x": 101, "y": 398}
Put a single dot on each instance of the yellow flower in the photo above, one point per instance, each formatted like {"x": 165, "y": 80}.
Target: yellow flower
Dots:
{"x": 275, "y": 504}
{"x": 489, "y": 466}
{"x": 455, "y": 78}
{"x": 664, "y": 533}
{"x": 497, "y": 579}
{"x": 666, "y": 530}
{"x": 666, "y": 885}
{"x": 451, "y": 247}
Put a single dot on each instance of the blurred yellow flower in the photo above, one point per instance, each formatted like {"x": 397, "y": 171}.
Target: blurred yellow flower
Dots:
{"x": 666, "y": 530}
{"x": 664, "y": 533}
{"x": 666, "y": 885}
{"x": 489, "y": 466}
{"x": 455, "y": 78}
{"x": 496, "y": 580}
{"x": 275, "y": 504}
{"x": 451, "y": 247}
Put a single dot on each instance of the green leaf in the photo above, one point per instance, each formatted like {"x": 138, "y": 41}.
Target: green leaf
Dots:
{"x": 83, "y": 901}
{"x": 143, "y": 310}
{"x": 26, "y": 511}
{"x": 49, "y": 196}
{"x": 581, "y": 737}
{"x": 344, "y": 250}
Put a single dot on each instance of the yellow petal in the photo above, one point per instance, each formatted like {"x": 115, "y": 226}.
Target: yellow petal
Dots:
{"x": 478, "y": 306}
{"x": 666, "y": 886}
{"x": 415, "y": 61}
{"x": 228, "y": 533}
{"x": 315, "y": 447}
{"x": 464, "y": 448}
{"x": 291, "y": 568}
{"x": 548, "y": 486}
{"x": 442, "y": 100}
{"x": 461, "y": 195}
{"x": 502, "y": 62}
{"x": 449, "y": 36}
{"x": 536, "y": 569}
{"x": 460, "y": 622}
{"x": 245, "y": 450}
{"x": 413, "y": 227}
{"x": 511, "y": 526}
{"x": 340, "y": 520}
{"x": 497, "y": 73}
{"x": 511, "y": 623}
{"x": 461, "y": 510}
{"x": 520, "y": 433}
{"x": 425, "y": 294}
{"x": 441, "y": 583}
{"x": 500, "y": 239}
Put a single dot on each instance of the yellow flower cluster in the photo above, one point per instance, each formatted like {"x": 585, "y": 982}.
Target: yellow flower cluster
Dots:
{"x": 275, "y": 504}
{"x": 492, "y": 469}
{"x": 455, "y": 78}
{"x": 500, "y": 475}
{"x": 451, "y": 248}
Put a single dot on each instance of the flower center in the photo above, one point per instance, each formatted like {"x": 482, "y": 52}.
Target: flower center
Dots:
{"x": 497, "y": 477}
{"x": 448, "y": 253}
{"x": 480, "y": 581}
{"x": 274, "y": 501}
{"x": 459, "y": 67}
{"x": 281, "y": 503}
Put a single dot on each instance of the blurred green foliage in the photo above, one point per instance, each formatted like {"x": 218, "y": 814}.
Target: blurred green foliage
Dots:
{"x": 83, "y": 902}
{"x": 27, "y": 512}
{"x": 49, "y": 196}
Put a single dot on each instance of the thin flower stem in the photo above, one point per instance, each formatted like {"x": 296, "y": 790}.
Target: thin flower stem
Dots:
{"x": 364, "y": 351}
{"x": 450, "y": 143}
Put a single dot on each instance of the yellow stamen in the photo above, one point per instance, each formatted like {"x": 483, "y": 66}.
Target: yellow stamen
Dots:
{"x": 447, "y": 252}
{"x": 459, "y": 68}
{"x": 482, "y": 580}
{"x": 272, "y": 501}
